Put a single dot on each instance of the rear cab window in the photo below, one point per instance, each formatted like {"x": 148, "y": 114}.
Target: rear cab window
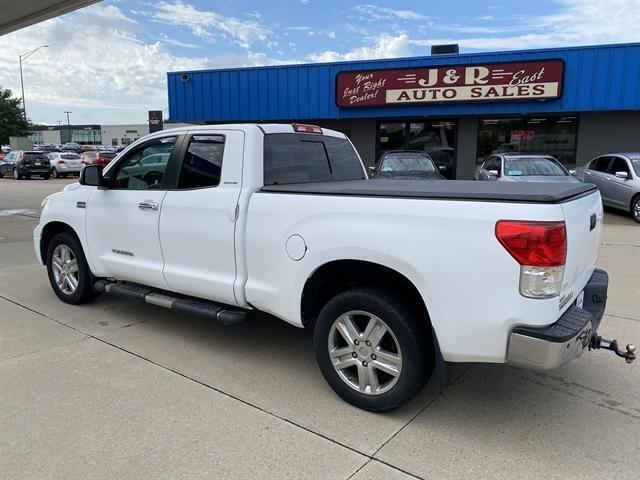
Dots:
{"x": 307, "y": 158}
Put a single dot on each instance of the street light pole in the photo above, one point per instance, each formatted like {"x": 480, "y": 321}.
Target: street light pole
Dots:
{"x": 22, "y": 57}
{"x": 68, "y": 125}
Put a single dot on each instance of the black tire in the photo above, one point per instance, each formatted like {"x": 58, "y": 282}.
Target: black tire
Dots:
{"x": 84, "y": 291}
{"x": 54, "y": 172}
{"x": 46, "y": 176}
{"x": 635, "y": 208}
{"x": 16, "y": 174}
{"x": 409, "y": 327}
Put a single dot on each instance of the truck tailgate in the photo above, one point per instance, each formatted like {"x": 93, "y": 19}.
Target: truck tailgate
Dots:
{"x": 583, "y": 217}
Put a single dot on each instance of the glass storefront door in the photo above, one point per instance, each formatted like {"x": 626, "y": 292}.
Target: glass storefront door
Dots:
{"x": 436, "y": 137}
{"x": 555, "y": 136}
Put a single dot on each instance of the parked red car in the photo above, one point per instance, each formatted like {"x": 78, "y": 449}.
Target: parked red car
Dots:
{"x": 97, "y": 158}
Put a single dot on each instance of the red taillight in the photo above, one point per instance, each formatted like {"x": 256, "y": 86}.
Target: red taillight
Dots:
{"x": 543, "y": 244}
{"x": 303, "y": 128}
{"x": 61, "y": 162}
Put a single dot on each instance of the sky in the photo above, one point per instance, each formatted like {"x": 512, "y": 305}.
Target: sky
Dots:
{"x": 107, "y": 63}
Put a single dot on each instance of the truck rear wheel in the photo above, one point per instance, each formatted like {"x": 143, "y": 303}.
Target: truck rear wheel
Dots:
{"x": 69, "y": 273}
{"x": 373, "y": 349}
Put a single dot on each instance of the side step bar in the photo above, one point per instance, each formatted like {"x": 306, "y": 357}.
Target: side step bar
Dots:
{"x": 191, "y": 306}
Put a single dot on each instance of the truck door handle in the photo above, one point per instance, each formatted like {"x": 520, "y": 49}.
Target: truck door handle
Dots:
{"x": 148, "y": 205}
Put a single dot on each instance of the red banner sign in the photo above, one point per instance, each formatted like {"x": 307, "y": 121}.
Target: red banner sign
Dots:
{"x": 451, "y": 83}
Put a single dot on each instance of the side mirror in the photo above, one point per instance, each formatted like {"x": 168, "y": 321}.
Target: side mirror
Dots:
{"x": 372, "y": 169}
{"x": 623, "y": 175}
{"x": 442, "y": 168}
{"x": 92, "y": 175}
{"x": 493, "y": 173}
{"x": 572, "y": 172}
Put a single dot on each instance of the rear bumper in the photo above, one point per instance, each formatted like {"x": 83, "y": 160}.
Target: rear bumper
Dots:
{"x": 546, "y": 348}
{"x": 34, "y": 170}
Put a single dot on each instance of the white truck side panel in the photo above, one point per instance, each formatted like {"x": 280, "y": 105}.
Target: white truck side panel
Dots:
{"x": 447, "y": 249}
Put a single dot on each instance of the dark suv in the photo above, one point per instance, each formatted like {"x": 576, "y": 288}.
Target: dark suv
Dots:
{"x": 24, "y": 164}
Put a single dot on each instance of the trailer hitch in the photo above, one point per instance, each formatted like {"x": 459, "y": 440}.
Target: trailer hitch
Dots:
{"x": 598, "y": 342}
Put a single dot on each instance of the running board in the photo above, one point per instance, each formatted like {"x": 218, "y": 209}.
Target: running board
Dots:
{"x": 191, "y": 306}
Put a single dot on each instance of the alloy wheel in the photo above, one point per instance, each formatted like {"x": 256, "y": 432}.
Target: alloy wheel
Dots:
{"x": 364, "y": 352}
{"x": 65, "y": 269}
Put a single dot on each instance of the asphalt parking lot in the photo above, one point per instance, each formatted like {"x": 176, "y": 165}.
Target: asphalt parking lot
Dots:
{"x": 119, "y": 389}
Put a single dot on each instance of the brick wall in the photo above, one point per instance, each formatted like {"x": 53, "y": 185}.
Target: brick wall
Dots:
{"x": 607, "y": 132}
{"x": 466, "y": 149}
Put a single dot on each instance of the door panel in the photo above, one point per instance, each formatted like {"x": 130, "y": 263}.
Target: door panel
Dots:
{"x": 595, "y": 173}
{"x": 123, "y": 238}
{"x": 197, "y": 225}
{"x": 122, "y": 220}
{"x": 620, "y": 190}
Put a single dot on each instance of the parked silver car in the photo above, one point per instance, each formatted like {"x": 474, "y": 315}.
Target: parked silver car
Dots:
{"x": 524, "y": 167}
{"x": 617, "y": 175}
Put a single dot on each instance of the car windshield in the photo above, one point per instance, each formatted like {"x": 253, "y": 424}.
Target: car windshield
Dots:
{"x": 70, "y": 156}
{"x": 528, "y": 166}
{"x": 90, "y": 154}
{"x": 107, "y": 155}
{"x": 33, "y": 156}
{"x": 407, "y": 162}
{"x": 635, "y": 163}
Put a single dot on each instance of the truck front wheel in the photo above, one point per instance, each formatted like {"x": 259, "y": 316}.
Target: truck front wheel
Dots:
{"x": 68, "y": 270}
{"x": 373, "y": 349}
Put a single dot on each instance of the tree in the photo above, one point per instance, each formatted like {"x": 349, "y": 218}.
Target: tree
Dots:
{"x": 12, "y": 122}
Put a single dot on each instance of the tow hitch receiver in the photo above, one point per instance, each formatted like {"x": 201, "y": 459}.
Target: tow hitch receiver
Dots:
{"x": 598, "y": 342}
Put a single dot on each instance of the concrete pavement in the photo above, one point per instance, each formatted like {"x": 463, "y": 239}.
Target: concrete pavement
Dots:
{"x": 119, "y": 389}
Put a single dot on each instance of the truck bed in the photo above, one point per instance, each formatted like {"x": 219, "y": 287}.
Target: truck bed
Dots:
{"x": 465, "y": 190}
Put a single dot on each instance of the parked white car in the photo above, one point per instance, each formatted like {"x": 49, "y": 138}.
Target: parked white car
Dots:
{"x": 524, "y": 167}
{"x": 64, "y": 163}
{"x": 392, "y": 275}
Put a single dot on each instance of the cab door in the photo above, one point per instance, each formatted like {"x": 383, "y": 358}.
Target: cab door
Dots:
{"x": 198, "y": 221}
{"x": 595, "y": 173}
{"x": 619, "y": 190}
{"x": 122, "y": 220}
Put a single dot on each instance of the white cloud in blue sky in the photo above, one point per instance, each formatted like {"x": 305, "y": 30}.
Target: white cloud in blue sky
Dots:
{"x": 108, "y": 62}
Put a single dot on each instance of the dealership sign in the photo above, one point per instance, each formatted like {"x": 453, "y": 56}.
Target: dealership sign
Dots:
{"x": 540, "y": 80}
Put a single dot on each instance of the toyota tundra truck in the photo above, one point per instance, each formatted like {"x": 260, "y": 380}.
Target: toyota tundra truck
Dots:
{"x": 396, "y": 278}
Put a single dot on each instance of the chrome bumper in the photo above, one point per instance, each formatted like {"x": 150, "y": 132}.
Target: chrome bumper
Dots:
{"x": 550, "y": 347}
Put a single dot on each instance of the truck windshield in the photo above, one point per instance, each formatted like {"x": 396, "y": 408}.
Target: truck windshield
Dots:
{"x": 306, "y": 158}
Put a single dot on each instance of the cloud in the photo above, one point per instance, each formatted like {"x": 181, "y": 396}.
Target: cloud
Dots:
{"x": 380, "y": 13}
{"x": 386, "y": 46}
{"x": 206, "y": 23}
{"x": 109, "y": 75}
{"x": 579, "y": 22}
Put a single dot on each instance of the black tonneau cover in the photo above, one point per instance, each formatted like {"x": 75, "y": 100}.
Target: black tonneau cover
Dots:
{"x": 522, "y": 192}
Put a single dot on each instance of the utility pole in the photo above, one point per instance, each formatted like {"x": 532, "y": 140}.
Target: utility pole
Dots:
{"x": 21, "y": 58}
{"x": 68, "y": 124}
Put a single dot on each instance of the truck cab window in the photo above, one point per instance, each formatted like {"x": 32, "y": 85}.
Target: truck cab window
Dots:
{"x": 299, "y": 158}
{"x": 202, "y": 164}
{"x": 144, "y": 167}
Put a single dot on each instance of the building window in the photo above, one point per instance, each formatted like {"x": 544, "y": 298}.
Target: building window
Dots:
{"x": 125, "y": 141}
{"x": 37, "y": 138}
{"x": 555, "y": 136}
{"x": 436, "y": 137}
{"x": 114, "y": 142}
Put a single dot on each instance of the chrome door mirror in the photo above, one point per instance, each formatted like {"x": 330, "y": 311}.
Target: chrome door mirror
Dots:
{"x": 442, "y": 168}
{"x": 572, "y": 172}
{"x": 493, "y": 173}
{"x": 623, "y": 175}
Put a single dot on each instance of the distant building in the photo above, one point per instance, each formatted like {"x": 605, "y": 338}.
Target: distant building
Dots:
{"x": 114, "y": 135}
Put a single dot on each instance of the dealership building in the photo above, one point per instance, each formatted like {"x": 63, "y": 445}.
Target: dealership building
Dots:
{"x": 573, "y": 103}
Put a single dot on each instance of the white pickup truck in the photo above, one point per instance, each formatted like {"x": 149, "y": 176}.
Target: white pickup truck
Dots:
{"x": 397, "y": 278}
